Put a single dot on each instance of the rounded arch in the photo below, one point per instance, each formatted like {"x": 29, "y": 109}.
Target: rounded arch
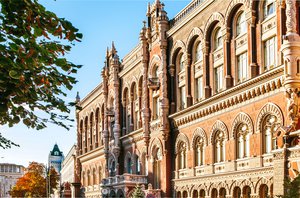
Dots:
{"x": 247, "y": 182}
{"x": 181, "y": 138}
{"x": 241, "y": 118}
{"x": 156, "y": 143}
{"x": 199, "y": 132}
{"x": 230, "y": 11}
{"x": 155, "y": 62}
{"x": 261, "y": 181}
{"x": 133, "y": 88}
{"x": 179, "y": 45}
{"x": 218, "y": 125}
{"x": 267, "y": 109}
{"x": 196, "y": 32}
{"x": 211, "y": 22}
{"x": 125, "y": 94}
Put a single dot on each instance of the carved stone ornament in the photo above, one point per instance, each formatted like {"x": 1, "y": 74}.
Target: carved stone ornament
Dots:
{"x": 292, "y": 96}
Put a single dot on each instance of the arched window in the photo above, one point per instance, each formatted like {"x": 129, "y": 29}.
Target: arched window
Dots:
{"x": 199, "y": 53}
{"x": 237, "y": 192}
{"x": 243, "y": 141}
{"x": 182, "y": 156}
{"x": 94, "y": 177}
{"x": 219, "y": 146}
{"x": 157, "y": 168}
{"x": 91, "y": 130}
{"x": 97, "y": 120}
{"x": 241, "y": 24}
{"x": 270, "y": 125}
{"x": 199, "y": 151}
{"x": 269, "y": 8}
{"x": 218, "y": 39}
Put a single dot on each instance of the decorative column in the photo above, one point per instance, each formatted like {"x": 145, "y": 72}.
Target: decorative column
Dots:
{"x": 207, "y": 88}
{"x": 254, "y": 69}
{"x": 173, "y": 87}
{"x": 77, "y": 164}
{"x": 139, "y": 124}
{"x": 105, "y": 127}
{"x": 124, "y": 116}
{"x": 117, "y": 128}
{"x": 145, "y": 105}
{"x": 189, "y": 98}
{"x": 131, "y": 127}
{"x": 291, "y": 54}
{"x": 228, "y": 77}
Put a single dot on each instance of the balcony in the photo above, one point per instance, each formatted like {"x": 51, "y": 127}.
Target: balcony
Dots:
{"x": 153, "y": 83}
{"x": 125, "y": 180}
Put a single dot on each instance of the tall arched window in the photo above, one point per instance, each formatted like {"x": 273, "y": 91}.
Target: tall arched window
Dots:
{"x": 218, "y": 71}
{"x": 157, "y": 157}
{"x": 269, "y": 8}
{"x": 199, "y": 151}
{"x": 137, "y": 165}
{"x": 270, "y": 125}
{"x": 243, "y": 141}
{"x": 97, "y": 120}
{"x": 182, "y": 156}
{"x": 241, "y": 24}
{"x": 219, "y": 146}
{"x": 91, "y": 130}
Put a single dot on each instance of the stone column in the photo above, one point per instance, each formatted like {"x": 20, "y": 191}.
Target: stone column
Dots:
{"x": 105, "y": 127}
{"x": 189, "y": 98}
{"x": 173, "y": 92}
{"x": 117, "y": 128}
{"x": 291, "y": 52}
{"x": 228, "y": 77}
{"x": 207, "y": 88}
{"x": 254, "y": 69}
{"x": 145, "y": 98}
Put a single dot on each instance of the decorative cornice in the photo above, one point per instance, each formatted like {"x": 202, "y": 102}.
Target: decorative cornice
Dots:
{"x": 231, "y": 97}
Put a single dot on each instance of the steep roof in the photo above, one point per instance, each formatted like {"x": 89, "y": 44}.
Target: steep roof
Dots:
{"x": 55, "y": 151}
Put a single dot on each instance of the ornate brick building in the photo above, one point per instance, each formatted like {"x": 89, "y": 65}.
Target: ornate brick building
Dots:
{"x": 206, "y": 105}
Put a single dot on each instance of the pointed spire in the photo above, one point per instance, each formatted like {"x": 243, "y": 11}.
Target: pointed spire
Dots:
{"x": 107, "y": 52}
{"x": 148, "y": 10}
{"x": 113, "y": 46}
{"x": 77, "y": 98}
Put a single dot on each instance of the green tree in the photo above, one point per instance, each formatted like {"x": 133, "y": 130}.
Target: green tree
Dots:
{"x": 292, "y": 188}
{"x": 34, "y": 72}
{"x": 34, "y": 182}
{"x": 138, "y": 192}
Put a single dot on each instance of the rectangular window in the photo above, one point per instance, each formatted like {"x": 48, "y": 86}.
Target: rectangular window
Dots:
{"x": 270, "y": 53}
{"x": 219, "y": 79}
{"x": 242, "y": 67}
{"x": 199, "y": 88}
{"x": 182, "y": 97}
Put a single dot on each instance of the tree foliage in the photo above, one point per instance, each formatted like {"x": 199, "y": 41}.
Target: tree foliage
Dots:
{"x": 34, "y": 73}
{"x": 292, "y": 187}
{"x": 35, "y": 181}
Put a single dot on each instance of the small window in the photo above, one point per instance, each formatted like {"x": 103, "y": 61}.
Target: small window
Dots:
{"x": 199, "y": 53}
{"x": 199, "y": 88}
{"x": 269, "y": 8}
{"x": 182, "y": 97}
{"x": 181, "y": 63}
{"x": 270, "y": 53}
{"x": 218, "y": 39}
{"x": 242, "y": 67}
{"x": 218, "y": 79}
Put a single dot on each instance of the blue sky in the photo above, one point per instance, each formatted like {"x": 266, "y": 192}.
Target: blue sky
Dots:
{"x": 101, "y": 22}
